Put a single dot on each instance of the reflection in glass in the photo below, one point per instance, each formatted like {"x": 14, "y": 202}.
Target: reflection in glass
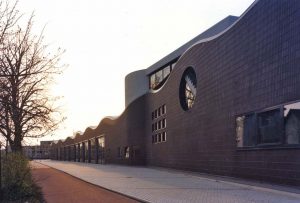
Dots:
{"x": 187, "y": 90}
{"x": 158, "y": 77}
{"x": 152, "y": 81}
{"x": 166, "y": 71}
{"x": 101, "y": 148}
{"x": 190, "y": 93}
{"x": 269, "y": 128}
{"x": 126, "y": 150}
{"x": 86, "y": 152}
{"x": 292, "y": 123}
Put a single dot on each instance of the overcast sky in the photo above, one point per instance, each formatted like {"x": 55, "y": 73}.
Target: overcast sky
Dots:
{"x": 106, "y": 40}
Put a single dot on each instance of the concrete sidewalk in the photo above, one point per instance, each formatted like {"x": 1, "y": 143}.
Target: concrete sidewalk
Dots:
{"x": 154, "y": 185}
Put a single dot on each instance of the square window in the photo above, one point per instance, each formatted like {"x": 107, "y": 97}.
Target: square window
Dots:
{"x": 159, "y": 125}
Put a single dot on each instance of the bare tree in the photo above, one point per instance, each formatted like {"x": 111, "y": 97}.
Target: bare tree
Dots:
{"x": 9, "y": 16}
{"x": 26, "y": 70}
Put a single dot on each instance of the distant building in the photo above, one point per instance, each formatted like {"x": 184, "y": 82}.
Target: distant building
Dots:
{"x": 41, "y": 151}
{"x": 218, "y": 104}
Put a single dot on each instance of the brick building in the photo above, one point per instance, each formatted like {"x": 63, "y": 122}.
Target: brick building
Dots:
{"x": 225, "y": 103}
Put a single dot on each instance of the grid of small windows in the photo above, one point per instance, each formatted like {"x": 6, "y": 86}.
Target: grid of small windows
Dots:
{"x": 159, "y": 125}
{"x": 159, "y": 137}
{"x": 162, "y": 110}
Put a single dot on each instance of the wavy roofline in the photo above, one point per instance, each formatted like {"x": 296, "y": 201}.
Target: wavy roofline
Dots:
{"x": 223, "y": 32}
{"x": 114, "y": 118}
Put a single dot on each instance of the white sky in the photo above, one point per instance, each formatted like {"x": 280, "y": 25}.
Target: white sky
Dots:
{"x": 106, "y": 40}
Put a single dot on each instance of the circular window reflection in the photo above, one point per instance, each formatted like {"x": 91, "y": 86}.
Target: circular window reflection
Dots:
{"x": 188, "y": 89}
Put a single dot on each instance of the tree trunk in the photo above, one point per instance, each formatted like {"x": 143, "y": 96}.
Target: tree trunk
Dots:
{"x": 16, "y": 145}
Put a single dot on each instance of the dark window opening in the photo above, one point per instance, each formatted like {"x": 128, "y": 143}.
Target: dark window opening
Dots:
{"x": 279, "y": 126}
{"x": 119, "y": 152}
{"x": 269, "y": 127}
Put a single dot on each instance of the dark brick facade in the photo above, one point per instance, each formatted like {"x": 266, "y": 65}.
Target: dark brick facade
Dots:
{"x": 252, "y": 66}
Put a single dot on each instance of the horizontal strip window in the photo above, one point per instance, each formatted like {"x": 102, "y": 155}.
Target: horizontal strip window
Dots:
{"x": 275, "y": 127}
{"x": 157, "y": 79}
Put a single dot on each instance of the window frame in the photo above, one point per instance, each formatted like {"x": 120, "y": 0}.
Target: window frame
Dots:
{"x": 265, "y": 146}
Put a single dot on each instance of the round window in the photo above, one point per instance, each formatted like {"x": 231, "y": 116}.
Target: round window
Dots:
{"x": 188, "y": 89}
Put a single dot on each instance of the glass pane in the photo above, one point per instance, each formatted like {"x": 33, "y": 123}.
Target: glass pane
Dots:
{"x": 173, "y": 65}
{"x": 164, "y": 109}
{"x": 126, "y": 152}
{"x": 74, "y": 153}
{"x": 93, "y": 150}
{"x": 250, "y": 135}
{"x": 269, "y": 128}
{"x": 78, "y": 152}
{"x": 82, "y": 149}
{"x": 86, "y": 147}
{"x": 158, "y": 77}
{"x": 119, "y": 152}
{"x": 152, "y": 81}
{"x": 166, "y": 71}
{"x": 292, "y": 123}
{"x": 240, "y": 131}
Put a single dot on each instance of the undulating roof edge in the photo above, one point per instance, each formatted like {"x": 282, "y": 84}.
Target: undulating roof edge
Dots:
{"x": 214, "y": 30}
{"x": 232, "y": 20}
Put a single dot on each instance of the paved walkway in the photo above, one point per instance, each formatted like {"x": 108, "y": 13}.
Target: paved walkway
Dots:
{"x": 59, "y": 187}
{"x": 154, "y": 185}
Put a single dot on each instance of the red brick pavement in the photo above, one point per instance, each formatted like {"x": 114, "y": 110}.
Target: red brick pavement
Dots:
{"x": 60, "y": 187}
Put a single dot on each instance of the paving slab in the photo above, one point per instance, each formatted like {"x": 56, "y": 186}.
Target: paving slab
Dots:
{"x": 155, "y": 185}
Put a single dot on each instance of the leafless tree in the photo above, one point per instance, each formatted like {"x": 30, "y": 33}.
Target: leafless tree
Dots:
{"x": 9, "y": 16}
{"x": 26, "y": 69}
